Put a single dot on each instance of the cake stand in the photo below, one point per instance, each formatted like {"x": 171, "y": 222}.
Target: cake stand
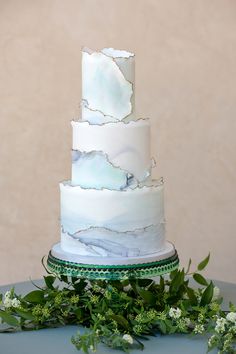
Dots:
{"x": 110, "y": 268}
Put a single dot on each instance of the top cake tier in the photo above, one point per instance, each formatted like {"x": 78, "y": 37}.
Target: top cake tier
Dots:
{"x": 107, "y": 86}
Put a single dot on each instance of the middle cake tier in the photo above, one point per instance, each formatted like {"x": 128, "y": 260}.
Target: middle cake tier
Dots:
{"x": 127, "y": 223}
{"x": 111, "y": 155}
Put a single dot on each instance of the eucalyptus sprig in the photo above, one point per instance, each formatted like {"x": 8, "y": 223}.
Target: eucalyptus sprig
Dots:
{"x": 123, "y": 313}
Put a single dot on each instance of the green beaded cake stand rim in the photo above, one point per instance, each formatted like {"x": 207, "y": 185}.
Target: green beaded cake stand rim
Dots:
{"x": 112, "y": 272}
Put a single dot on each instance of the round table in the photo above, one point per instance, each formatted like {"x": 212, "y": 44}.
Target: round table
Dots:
{"x": 58, "y": 340}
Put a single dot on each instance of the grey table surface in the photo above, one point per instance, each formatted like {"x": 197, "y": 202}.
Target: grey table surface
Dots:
{"x": 58, "y": 340}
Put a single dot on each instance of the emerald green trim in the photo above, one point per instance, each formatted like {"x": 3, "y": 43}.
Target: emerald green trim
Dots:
{"x": 112, "y": 272}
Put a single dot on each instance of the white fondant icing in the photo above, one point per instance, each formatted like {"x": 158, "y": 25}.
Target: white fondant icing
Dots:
{"x": 101, "y": 241}
{"x": 108, "y": 83}
{"x": 117, "y": 210}
{"x": 127, "y": 145}
{"x": 116, "y": 53}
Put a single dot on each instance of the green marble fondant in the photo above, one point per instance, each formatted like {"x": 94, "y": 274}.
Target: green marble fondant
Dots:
{"x": 112, "y": 272}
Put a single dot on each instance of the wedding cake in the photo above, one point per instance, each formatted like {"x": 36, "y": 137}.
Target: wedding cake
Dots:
{"x": 112, "y": 211}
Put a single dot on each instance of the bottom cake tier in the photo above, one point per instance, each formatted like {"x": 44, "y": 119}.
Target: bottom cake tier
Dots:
{"x": 107, "y": 268}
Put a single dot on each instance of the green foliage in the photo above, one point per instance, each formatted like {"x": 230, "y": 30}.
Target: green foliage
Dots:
{"x": 200, "y": 279}
{"x": 9, "y": 319}
{"x": 202, "y": 265}
{"x": 49, "y": 281}
{"x": 36, "y": 296}
{"x": 207, "y": 295}
{"x": 122, "y": 313}
{"x": 192, "y": 296}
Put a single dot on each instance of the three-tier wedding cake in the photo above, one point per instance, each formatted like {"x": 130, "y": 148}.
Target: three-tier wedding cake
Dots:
{"x": 112, "y": 211}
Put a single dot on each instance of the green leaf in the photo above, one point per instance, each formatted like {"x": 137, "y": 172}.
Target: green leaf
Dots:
{"x": 9, "y": 319}
{"x": 173, "y": 274}
{"x": 103, "y": 305}
{"x": 101, "y": 283}
{"x": 192, "y": 297}
{"x": 35, "y": 296}
{"x": 89, "y": 307}
{"x": 117, "y": 284}
{"x": 120, "y": 320}
{"x": 133, "y": 283}
{"x": 232, "y": 307}
{"x": 207, "y": 295}
{"x": 49, "y": 280}
{"x": 147, "y": 296}
{"x": 189, "y": 265}
{"x": 79, "y": 286}
{"x": 78, "y": 313}
{"x": 27, "y": 315}
{"x": 204, "y": 263}
{"x": 74, "y": 280}
{"x": 200, "y": 279}
{"x": 162, "y": 284}
{"x": 162, "y": 327}
{"x": 177, "y": 281}
{"x": 64, "y": 278}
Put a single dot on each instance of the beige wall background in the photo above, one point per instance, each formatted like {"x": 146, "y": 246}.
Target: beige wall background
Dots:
{"x": 185, "y": 82}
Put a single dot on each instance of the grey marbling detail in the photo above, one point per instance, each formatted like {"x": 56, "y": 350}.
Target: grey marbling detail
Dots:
{"x": 124, "y": 210}
{"x": 106, "y": 242}
{"x": 94, "y": 170}
{"x": 104, "y": 86}
{"x": 94, "y": 116}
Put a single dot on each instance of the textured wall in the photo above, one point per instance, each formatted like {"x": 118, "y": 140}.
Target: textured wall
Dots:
{"x": 185, "y": 81}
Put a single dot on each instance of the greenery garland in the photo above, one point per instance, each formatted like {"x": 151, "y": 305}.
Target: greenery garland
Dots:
{"x": 122, "y": 313}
